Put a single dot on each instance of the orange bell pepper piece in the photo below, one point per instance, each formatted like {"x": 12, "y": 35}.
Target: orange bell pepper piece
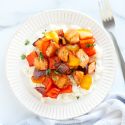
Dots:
{"x": 38, "y": 80}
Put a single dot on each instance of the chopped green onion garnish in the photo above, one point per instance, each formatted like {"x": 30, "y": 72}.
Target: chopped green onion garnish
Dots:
{"x": 89, "y": 45}
{"x": 77, "y": 97}
{"x": 23, "y": 56}
{"x": 54, "y": 78}
{"x": 56, "y": 72}
{"x": 41, "y": 55}
{"x": 48, "y": 71}
{"x": 27, "y": 42}
{"x": 44, "y": 32}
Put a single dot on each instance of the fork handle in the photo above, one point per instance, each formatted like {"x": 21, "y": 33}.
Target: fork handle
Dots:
{"x": 122, "y": 62}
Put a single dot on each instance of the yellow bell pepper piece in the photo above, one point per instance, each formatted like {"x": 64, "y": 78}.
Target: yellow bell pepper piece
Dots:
{"x": 85, "y": 33}
{"x": 53, "y": 36}
{"x": 73, "y": 60}
{"x": 86, "y": 82}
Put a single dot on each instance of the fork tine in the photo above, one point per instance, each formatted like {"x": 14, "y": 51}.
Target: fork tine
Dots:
{"x": 102, "y": 9}
{"x": 105, "y": 10}
{"x": 108, "y": 9}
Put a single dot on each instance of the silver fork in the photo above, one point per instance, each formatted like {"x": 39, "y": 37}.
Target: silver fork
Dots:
{"x": 108, "y": 22}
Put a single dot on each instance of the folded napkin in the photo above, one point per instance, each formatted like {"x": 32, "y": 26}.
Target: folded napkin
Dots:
{"x": 110, "y": 112}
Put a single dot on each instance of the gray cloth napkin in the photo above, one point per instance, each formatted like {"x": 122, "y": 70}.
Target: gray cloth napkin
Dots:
{"x": 110, "y": 112}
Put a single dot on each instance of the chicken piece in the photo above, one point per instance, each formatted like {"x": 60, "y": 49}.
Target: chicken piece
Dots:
{"x": 38, "y": 43}
{"x": 72, "y": 36}
{"x": 91, "y": 67}
{"x": 41, "y": 64}
{"x": 84, "y": 59}
{"x": 61, "y": 81}
{"x": 60, "y": 32}
{"x": 78, "y": 76}
{"x": 51, "y": 50}
{"x": 92, "y": 58}
{"x": 62, "y": 41}
{"x": 74, "y": 48}
{"x": 63, "y": 54}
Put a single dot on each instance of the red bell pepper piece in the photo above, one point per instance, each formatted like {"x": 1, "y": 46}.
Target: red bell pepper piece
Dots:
{"x": 30, "y": 58}
{"x": 88, "y": 46}
{"x": 86, "y": 43}
{"x": 67, "y": 89}
{"x": 42, "y": 44}
{"x": 90, "y": 51}
{"x": 53, "y": 61}
{"x": 53, "y": 92}
{"x": 48, "y": 83}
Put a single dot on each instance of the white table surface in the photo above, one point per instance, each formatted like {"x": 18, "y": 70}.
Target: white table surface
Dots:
{"x": 14, "y": 12}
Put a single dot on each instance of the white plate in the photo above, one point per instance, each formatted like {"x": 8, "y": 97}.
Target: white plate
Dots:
{"x": 20, "y": 84}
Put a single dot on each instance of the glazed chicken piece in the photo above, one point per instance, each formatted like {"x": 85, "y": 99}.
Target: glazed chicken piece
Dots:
{"x": 41, "y": 64}
{"x": 78, "y": 76}
{"x": 91, "y": 67}
{"x": 60, "y": 32}
{"x": 63, "y": 54}
{"x": 62, "y": 41}
{"x": 92, "y": 58}
{"x": 61, "y": 81}
{"x": 84, "y": 81}
{"x": 73, "y": 48}
{"x": 51, "y": 50}
{"x": 72, "y": 36}
{"x": 84, "y": 59}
